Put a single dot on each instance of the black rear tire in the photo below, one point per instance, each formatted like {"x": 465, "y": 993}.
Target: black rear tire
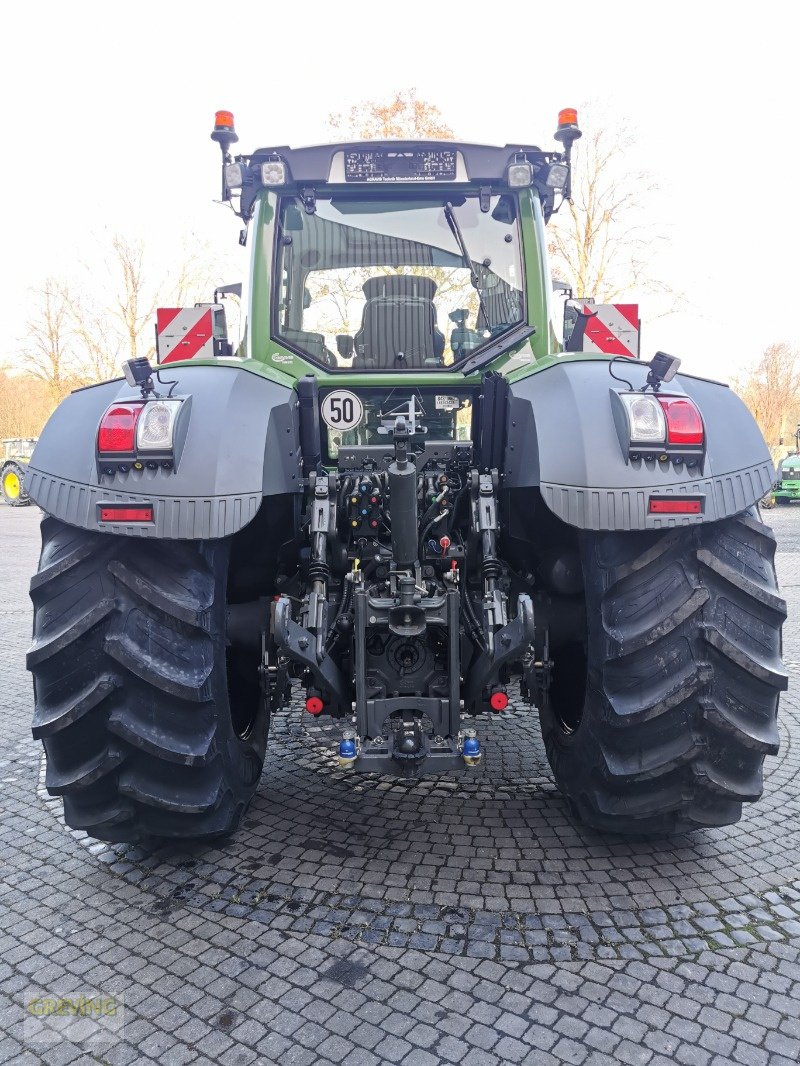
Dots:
{"x": 682, "y": 671}
{"x": 149, "y": 726}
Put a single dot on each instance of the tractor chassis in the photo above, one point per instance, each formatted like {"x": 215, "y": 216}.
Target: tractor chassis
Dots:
{"x": 400, "y": 727}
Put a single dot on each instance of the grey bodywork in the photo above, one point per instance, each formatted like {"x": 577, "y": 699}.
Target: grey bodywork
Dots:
{"x": 562, "y": 438}
{"x": 243, "y": 444}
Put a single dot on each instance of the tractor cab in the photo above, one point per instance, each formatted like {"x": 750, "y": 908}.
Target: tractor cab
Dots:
{"x": 398, "y": 256}
{"x": 371, "y": 282}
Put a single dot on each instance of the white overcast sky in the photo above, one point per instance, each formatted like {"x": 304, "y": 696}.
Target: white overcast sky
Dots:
{"x": 109, "y": 108}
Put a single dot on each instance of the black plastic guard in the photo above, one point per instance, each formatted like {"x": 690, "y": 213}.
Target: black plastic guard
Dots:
{"x": 562, "y": 439}
{"x": 242, "y": 443}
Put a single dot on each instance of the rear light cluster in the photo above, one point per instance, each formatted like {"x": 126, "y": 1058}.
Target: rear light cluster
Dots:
{"x": 652, "y": 426}
{"x": 138, "y": 434}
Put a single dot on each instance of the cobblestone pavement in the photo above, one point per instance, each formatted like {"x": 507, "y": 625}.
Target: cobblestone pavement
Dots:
{"x": 466, "y": 919}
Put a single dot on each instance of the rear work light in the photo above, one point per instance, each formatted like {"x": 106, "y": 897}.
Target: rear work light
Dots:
{"x": 675, "y": 505}
{"x": 273, "y": 172}
{"x": 126, "y": 513}
{"x": 520, "y": 175}
{"x": 155, "y": 429}
{"x": 117, "y": 432}
{"x": 646, "y": 421}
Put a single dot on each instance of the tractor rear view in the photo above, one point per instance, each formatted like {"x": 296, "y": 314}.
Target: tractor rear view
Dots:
{"x": 401, "y": 497}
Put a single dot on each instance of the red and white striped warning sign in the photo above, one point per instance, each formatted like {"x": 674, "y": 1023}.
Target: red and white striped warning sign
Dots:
{"x": 184, "y": 333}
{"x": 612, "y": 328}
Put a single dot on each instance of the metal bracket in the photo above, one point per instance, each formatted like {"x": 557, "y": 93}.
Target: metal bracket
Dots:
{"x": 484, "y": 505}
{"x": 323, "y": 513}
{"x": 511, "y": 642}
{"x": 485, "y": 198}
{"x": 379, "y": 456}
{"x": 300, "y": 645}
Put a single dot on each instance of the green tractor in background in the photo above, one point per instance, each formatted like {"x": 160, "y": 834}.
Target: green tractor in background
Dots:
{"x": 17, "y": 452}
{"x": 402, "y": 502}
{"x": 787, "y": 487}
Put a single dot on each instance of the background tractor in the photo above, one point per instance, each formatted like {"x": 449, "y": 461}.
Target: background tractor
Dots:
{"x": 17, "y": 453}
{"x": 400, "y": 497}
{"x": 787, "y": 487}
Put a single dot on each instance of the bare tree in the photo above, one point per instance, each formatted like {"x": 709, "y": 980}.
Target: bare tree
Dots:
{"x": 403, "y": 116}
{"x": 600, "y": 242}
{"x": 47, "y": 350}
{"x": 134, "y": 302}
{"x": 771, "y": 389}
{"x": 79, "y": 334}
{"x": 117, "y": 320}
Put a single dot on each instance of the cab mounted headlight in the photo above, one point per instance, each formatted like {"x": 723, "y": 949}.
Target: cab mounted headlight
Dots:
{"x": 273, "y": 172}
{"x": 520, "y": 175}
{"x": 554, "y": 176}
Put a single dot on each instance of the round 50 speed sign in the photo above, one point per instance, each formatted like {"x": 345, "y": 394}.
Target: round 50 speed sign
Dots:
{"x": 342, "y": 409}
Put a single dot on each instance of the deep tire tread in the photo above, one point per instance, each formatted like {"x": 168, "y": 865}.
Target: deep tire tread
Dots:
{"x": 131, "y": 688}
{"x": 684, "y": 674}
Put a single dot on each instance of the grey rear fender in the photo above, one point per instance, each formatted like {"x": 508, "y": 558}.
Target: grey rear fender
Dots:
{"x": 562, "y": 439}
{"x": 241, "y": 444}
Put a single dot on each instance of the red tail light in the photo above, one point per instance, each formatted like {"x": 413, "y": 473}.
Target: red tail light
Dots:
{"x": 117, "y": 432}
{"x": 684, "y": 424}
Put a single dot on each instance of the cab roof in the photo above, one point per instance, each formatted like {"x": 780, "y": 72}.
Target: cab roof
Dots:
{"x": 482, "y": 162}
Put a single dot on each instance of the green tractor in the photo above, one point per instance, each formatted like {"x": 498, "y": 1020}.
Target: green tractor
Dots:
{"x": 401, "y": 502}
{"x": 17, "y": 452}
{"x": 787, "y": 487}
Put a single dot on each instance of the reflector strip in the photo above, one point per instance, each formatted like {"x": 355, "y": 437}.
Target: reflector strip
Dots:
{"x": 126, "y": 513}
{"x": 675, "y": 505}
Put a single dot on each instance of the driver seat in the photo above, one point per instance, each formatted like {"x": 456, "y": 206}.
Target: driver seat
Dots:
{"x": 399, "y": 317}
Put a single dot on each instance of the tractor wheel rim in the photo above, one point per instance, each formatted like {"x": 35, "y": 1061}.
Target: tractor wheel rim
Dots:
{"x": 11, "y": 485}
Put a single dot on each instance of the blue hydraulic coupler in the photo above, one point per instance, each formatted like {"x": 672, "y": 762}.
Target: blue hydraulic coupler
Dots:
{"x": 347, "y": 749}
{"x": 471, "y": 750}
